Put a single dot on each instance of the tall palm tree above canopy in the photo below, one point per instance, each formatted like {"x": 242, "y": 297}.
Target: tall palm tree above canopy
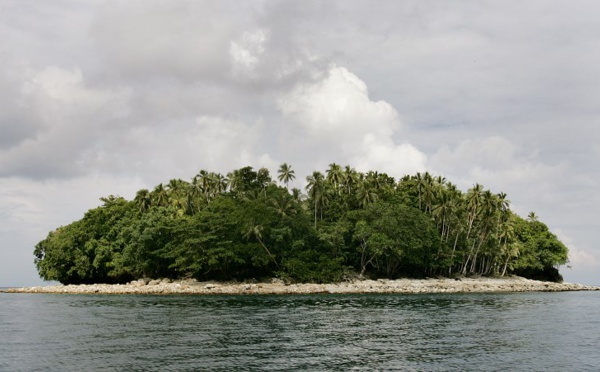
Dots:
{"x": 349, "y": 179}
{"x": 315, "y": 184}
{"x": 444, "y": 207}
{"x": 335, "y": 175}
{"x": 204, "y": 180}
{"x": 263, "y": 178}
{"x": 210, "y": 184}
{"x": 286, "y": 174}
{"x": 234, "y": 180}
{"x": 473, "y": 201}
{"x": 504, "y": 203}
{"x": 143, "y": 200}
{"x": 420, "y": 185}
{"x": 316, "y": 190}
{"x": 440, "y": 180}
{"x": 427, "y": 189}
{"x": 160, "y": 195}
{"x": 175, "y": 185}
{"x": 194, "y": 191}
{"x": 221, "y": 182}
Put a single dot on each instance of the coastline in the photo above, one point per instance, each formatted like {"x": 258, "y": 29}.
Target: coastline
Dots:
{"x": 276, "y": 286}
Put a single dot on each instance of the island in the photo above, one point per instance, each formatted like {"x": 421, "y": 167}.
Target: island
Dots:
{"x": 345, "y": 232}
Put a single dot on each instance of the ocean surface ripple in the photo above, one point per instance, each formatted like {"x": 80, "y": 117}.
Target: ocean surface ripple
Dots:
{"x": 483, "y": 332}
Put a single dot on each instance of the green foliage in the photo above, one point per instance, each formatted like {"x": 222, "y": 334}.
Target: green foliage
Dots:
{"x": 311, "y": 266}
{"x": 86, "y": 250}
{"x": 394, "y": 239}
{"x": 542, "y": 252}
{"x": 244, "y": 226}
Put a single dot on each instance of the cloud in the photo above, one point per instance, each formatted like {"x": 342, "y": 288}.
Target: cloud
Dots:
{"x": 247, "y": 52}
{"x": 180, "y": 148}
{"x": 223, "y": 145}
{"x": 18, "y": 119}
{"x": 69, "y": 119}
{"x": 336, "y": 112}
{"x": 185, "y": 40}
{"x": 496, "y": 160}
{"x": 196, "y": 42}
{"x": 580, "y": 259}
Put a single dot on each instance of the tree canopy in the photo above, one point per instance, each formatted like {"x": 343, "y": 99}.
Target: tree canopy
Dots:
{"x": 244, "y": 225}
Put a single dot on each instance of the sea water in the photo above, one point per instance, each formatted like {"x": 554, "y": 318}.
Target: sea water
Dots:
{"x": 473, "y": 332}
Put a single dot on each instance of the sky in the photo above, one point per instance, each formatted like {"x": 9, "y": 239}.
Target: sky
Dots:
{"x": 108, "y": 97}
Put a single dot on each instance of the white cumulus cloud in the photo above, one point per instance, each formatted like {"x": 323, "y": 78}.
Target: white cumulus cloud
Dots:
{"x": 337, "y": 113}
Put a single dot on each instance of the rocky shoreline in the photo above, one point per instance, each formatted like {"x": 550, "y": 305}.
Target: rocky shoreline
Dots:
{"x": 276, "y": 286}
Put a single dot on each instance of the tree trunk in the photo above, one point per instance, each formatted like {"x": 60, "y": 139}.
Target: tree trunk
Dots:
{"x": 453, "y": 251}
{"x": 267, "y": 250}
{"x": 469, "y": 257}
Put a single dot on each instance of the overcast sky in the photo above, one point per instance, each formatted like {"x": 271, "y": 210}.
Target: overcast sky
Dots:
{"x": 107, "y": 97}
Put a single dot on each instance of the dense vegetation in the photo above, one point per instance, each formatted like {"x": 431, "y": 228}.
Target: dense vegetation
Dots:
{"x": 245, "y": 226}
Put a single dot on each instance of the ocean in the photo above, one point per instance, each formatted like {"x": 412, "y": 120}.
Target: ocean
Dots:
{"x": 445, "y": 332}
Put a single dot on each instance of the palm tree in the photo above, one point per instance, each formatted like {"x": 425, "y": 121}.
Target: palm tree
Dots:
{"x": 442, "y": 211}
{"x": 532, "y": 217}
{"x": 509, "y": 248}
{"x": 473, "y": 200}
{"x": 263, "y": 177}
{"x": 349, "y": 179}
{"x": 420, "y": 184}
{"x": 489, "y": 210}
{"x": 143, "y": 200}
{"x": 210, "y": 184}
{"x": 174, "y": 185}
{"x": 297, "y": 195}
{"x": 472, "y": 204}
{"x": 335, "y": 175}
{"x": 220, "y": 182}
{"x": 160, "y": 195}
{"x": 286, "y": 174}
{"x": 440, "y": 180}
{"x": 449, "y": 212}
{"x": 181, "y": 204}
{"x": 375, "y": 179}
{"x": 255, "y": 231}
{"x": 365, "y": 193}
{"x": 205, "y": 181}
{"x": 504, "y": 203}
{"x": 428, "y": 191}
{"x": 234, "y": 180}
{"x": 252, "y": 195}
{"x": 194, "y": 192}
{"x": 177, "y": 196}
{"x": 283, "y": 204}
{"x": 316, "y": 190}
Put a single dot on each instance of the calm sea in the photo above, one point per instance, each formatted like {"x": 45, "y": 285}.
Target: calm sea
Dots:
{"x": 487, "y": 332}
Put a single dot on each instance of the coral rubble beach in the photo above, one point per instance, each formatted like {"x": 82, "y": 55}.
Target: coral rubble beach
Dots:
{"x": 276, "y": 286}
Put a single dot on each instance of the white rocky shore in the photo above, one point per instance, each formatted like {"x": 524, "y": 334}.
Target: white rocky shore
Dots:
{"x": 276, "y": 286}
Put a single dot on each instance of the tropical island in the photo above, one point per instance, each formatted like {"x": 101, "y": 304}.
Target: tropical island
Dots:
{"x": 349, "y": 225}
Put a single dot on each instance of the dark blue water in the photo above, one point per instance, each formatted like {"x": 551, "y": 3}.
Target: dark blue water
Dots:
{"x": 495, "y": 332}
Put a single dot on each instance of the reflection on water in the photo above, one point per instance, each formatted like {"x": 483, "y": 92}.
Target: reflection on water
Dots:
{"x": 539, "y": 331}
